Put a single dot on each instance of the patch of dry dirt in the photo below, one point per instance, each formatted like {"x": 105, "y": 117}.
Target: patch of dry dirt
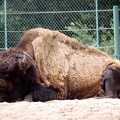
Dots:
{"x": 88, "y": 109}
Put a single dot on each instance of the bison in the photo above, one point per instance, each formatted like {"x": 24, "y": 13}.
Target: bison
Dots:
{"x": 52, "y": 66}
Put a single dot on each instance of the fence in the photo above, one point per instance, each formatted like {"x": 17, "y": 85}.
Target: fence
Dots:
{"x": 89, "y": 21}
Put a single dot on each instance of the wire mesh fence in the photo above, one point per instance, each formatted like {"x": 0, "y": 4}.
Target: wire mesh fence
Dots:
{"x": 89, "y": 21}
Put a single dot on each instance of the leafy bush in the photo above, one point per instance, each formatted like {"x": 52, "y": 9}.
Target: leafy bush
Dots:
{"x": 83, "y": 34}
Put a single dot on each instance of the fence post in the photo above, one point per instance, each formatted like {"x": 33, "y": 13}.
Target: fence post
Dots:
{"x": 116, "y": 32}
{"x": 97, "y": 27}
{"x": 5, "y": 25}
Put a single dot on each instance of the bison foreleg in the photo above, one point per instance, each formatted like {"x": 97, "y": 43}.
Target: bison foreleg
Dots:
{"x": 43, "y": 93}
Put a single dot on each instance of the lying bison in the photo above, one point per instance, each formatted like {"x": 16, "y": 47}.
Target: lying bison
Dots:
{"x": 53, "y": 66}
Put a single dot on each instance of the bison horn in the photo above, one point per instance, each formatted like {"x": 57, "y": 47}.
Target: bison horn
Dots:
{"x": 30, "y": 59}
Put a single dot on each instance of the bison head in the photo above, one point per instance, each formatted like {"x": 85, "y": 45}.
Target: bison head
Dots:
{"x": 13, "y": 67}
{"x": 14, "y": 62}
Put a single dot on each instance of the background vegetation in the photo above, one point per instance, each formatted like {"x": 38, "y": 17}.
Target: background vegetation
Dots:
{"x": 75, "y": 18}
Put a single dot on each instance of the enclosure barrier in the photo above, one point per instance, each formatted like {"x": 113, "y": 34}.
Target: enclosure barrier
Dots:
{"x": 88, "y": 22}
{"x": 116, "y": 32}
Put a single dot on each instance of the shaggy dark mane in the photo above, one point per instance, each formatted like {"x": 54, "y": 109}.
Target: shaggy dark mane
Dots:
{"x": 19, "y": 76}
{"x": 13, "y": 62}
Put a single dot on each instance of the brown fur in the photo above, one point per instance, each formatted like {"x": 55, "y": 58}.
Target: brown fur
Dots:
{"x": 66, "y": 67}
{"x": 17, "y": 76}
{"x": 64, "y": 63}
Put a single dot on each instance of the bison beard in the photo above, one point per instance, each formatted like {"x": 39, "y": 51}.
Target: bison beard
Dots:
{"x": 18, "y": 78}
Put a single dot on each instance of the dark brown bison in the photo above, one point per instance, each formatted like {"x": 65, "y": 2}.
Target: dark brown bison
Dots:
{"x": 53, "y": 66}
{"x": 19, "y": 76}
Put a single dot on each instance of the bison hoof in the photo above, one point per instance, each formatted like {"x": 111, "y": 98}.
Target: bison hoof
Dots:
{"x": 43, "y": 94}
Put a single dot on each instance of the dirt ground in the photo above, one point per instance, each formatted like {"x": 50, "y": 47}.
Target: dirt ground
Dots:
{"x": 88, "y": 109}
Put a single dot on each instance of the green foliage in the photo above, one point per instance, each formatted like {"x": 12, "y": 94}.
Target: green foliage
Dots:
{"x": 82, "y": 33}
{"x": 27, "y": 14}
{"x": 86, "y": 36}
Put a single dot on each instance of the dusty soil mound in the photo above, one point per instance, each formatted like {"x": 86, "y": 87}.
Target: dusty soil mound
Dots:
{"x": 88, "y": 109}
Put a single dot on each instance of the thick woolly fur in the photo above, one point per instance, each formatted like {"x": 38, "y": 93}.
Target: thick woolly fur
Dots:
{"x": 17, "y": 75}
{"x": 64, "y": 68}
{"x": 67, "y": 65}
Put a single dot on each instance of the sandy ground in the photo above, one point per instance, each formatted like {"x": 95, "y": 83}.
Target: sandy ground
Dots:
{"x": 88, "y": 109}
